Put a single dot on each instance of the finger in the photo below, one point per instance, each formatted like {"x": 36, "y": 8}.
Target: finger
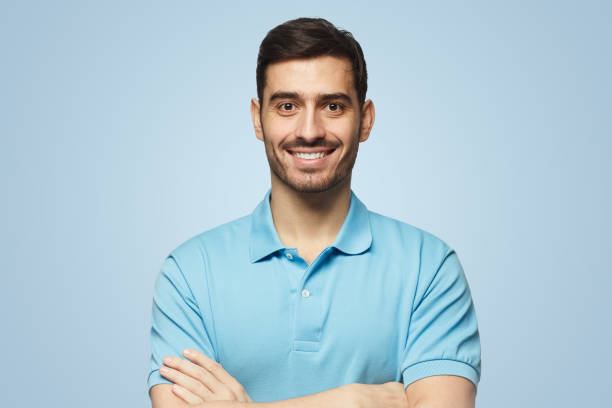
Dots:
{"x": 191, "y": 384}
{"x": 211, "y": 365}
{"x": 216, "y": 369}
{"x": 186, "y": 395}
{"x": 195, "y": 371}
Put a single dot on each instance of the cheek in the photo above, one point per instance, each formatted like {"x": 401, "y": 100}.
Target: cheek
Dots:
{"x": 277, "y": 131}
{"x": 343, "y": 129}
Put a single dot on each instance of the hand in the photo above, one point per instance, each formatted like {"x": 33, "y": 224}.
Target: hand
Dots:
{"x": 201, "y": 379}
{"x": 390, "y": 394}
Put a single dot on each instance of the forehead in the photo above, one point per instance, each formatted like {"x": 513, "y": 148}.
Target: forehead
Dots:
{"x": 310, "y": 77}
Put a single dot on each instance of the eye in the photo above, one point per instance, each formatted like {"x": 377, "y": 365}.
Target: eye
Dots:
{"x": 287, "y": 107}
{"x": 334, "y": 107}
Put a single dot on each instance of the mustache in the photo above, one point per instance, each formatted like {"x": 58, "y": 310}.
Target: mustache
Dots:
{"x": 316, "y": 144}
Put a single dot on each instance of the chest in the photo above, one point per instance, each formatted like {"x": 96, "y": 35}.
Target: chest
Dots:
{"x": 336, "y": 317}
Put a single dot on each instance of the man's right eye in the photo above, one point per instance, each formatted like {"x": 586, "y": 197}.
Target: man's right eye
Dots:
{"x": 287, "y": 107}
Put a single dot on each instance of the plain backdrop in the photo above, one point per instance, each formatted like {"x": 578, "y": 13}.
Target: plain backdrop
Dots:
{"x": 125, "y": 130}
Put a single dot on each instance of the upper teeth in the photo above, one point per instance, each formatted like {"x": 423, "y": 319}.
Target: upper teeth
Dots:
{"x": 309, "y": 155}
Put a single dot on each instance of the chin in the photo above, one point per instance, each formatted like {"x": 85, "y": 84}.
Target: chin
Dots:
{"x": 313, "y": 186}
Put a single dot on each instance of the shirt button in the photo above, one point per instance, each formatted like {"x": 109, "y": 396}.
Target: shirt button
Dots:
{"x": 305, "y": 293}
{"x": 289, "y": 256}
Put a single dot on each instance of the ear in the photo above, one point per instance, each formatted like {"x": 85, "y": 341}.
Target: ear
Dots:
{"x": 367, "y": 120}
{"x": 256, "y": 118}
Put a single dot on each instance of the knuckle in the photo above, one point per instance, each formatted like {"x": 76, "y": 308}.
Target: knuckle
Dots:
{"x": 202, "y": 376}
{"x": 201, "y": 389}
{"x": 229, "y": 395}
{"x": 241, "y": 390}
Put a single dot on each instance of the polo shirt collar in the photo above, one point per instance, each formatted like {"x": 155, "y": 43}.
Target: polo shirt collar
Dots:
{"x": 354, "y": 237}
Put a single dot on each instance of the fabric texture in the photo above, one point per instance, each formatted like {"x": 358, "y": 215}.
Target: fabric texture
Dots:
{"x": 385, "y": 302}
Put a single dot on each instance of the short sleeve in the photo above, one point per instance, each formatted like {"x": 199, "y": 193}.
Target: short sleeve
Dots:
{"x": 443, "y": 334}
{"x": 176, "y": 320}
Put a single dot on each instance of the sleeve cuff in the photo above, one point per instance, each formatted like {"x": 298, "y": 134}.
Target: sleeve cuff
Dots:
{"x": 156, "y": 378}
{"x": 440, "y": 367}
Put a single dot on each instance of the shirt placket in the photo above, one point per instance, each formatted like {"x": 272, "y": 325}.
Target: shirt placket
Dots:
{"x": 308, "y": 318}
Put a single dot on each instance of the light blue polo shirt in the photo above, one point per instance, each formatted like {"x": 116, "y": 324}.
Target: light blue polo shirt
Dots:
{"x": 385, "y": 302}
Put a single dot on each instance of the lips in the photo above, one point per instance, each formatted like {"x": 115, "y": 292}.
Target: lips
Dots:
{"x": 310, "y": 157}
{"x": 310, "y": 154}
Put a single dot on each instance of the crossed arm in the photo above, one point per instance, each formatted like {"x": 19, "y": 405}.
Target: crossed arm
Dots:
{"x": 203, "y": 382}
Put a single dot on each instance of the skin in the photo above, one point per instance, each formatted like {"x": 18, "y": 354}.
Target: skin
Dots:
{"x": 310, "y": 105}
{"x": 202, "y": 382}
{"x": 307, "y": 105}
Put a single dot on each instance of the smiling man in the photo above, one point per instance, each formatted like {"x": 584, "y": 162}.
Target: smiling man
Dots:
{"x": 312, "y": 300}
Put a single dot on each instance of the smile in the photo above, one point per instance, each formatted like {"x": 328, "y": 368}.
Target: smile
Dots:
{"x": 311, "y": 155}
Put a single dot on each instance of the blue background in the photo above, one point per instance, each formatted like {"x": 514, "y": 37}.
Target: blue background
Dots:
{"x": 125, "y": 130}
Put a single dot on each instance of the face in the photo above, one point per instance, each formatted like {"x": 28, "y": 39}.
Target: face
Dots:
{"x": 310, "y": 122}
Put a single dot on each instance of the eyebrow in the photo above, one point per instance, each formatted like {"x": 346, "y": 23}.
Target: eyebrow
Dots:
{"x": 321, "y": 98}
{"x": 336, "y": 96}
{"x": 283, "y": 95}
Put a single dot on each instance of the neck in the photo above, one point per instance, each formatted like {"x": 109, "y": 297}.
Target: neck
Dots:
{"x": 309, "y": 220}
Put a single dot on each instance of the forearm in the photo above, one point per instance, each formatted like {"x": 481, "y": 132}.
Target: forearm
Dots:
{"x": 387, "y": 395}
{"x": 441, "y": 392}
{"x": 340, "y": 397}
{"x": 443, "y": 404}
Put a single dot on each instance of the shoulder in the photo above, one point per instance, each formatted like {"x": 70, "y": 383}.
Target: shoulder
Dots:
{"x": 400, "y": 236}
{"x": 194, "y": 251}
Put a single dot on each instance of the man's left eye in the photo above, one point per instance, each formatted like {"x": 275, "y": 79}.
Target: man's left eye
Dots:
{"x": 334, "y": 107}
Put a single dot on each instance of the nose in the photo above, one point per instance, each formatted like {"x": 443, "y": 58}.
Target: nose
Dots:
{"x": 310, "y": 126}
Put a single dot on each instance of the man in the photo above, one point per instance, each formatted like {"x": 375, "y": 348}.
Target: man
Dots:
{"x": 312, "y": 300}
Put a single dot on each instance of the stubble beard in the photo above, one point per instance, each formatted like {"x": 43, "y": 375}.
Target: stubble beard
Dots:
{"x": 312, "y": 182}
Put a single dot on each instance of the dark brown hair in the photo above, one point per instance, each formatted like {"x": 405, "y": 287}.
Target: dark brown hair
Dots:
{"x": 309, "y": 38}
